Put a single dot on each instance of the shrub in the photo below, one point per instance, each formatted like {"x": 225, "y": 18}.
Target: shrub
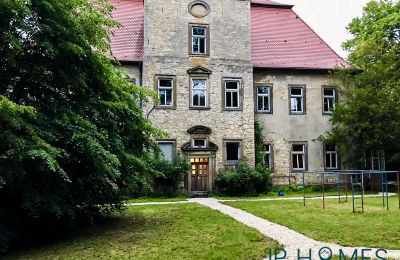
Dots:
{"x": 244, "y": 180}
{"x": 170, "y": 174}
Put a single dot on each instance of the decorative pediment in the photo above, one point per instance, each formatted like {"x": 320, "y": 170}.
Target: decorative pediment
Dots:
{"x": 199, "y": 70}
{"x": 187, "y": 147}
{"x": 199, "y": 129}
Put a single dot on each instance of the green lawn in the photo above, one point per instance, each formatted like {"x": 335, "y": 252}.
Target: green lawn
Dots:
{"x": 161, "y": 199}
{"x": 374, "y": 228}
{"x": 183, "y": 231}
{"x": 273, "y": 194}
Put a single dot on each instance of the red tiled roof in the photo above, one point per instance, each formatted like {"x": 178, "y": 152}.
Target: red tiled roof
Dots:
{"x": 280, "y": 39}
{"x": 127, "y": 42}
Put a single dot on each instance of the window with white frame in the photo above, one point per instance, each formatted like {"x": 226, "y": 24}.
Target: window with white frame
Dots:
{"x": 167, "y": 149}
{"x": 165, "y": 91}
{"x": 232, "y": 94}
{"x": 329, "y": 100}
{"x": 298, "y": 157}
{"x": 199, "y": 92}
{"x": 199, "y": 142}
{"x": 268, "y": 156}
{"x": 331, "y": 158}
{"x": 232, "y": 152}
{"x": 199, "y": 40}
{"x": 297, "y": 100}
{"x": 264, "y": 99}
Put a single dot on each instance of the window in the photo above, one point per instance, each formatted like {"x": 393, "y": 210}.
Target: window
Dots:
{"x": 264, "y": 100}
{"x": 298, "y": 157}
{"x": 165, "y": 89}
{"x": 199, "y": 143}
{"x": 232, "y": 152}
{"x": 331, "y": 158}
{"x": 199, "y": 93}
{"x": 297, "y": 100}
{"x": 329, "y": 100}
{"x": 199, "y": 39}
{"x": 268, "y": 156}
{"x": 232, "y": 94}
{"x": 167, "y": 149}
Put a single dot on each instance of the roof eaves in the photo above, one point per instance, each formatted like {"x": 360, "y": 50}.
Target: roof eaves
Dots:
{"x": 270, "y": 4}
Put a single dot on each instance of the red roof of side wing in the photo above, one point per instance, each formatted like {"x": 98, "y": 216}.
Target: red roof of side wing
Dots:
{"x": 127, "y": 42}
{"x": 280, "y": 39}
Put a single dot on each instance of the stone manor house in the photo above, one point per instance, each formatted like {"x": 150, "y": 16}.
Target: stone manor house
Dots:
{"x": 220, "y": 65}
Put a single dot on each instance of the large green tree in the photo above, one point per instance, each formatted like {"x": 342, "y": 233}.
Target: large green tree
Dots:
{"x": 72, "y": 133}
{"x": 368, "y": 117}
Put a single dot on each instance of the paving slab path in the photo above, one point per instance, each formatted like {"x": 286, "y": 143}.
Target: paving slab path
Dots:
{"x": 291, "y": 240}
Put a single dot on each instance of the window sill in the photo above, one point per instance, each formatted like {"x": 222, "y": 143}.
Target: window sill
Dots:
{"x": 199, "y": 55}
{"x": 297, "y": 114}
{"x": 327, "y": 113}
{"x": 264, "y": 112}
{"x": 165, "y": 108}
{"x": 199, "y": 108}
{"x": 232, "y": 109}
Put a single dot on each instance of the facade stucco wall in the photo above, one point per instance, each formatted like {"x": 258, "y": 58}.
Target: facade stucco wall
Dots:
{"x": 281, "y": 128}
{"x": 167, "y": 53}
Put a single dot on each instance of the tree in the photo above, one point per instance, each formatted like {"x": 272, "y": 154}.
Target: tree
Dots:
{"x": 72, "y": 133}
{"x": 368, "y": 119}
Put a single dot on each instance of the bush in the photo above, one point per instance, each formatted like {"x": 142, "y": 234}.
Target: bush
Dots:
{"x": 171, "y": 173}
{"x": 244, "y": 180}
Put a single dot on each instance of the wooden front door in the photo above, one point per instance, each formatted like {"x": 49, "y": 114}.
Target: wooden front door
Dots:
{"x": 199, "y": 174}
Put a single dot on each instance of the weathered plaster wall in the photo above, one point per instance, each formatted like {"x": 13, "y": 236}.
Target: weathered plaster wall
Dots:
{"x": 281, "y": 128}
{"x": 134, "y": 71}
{"x": 166, "y": 53}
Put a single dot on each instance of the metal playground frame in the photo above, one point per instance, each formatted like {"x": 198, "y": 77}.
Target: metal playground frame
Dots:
{"x": 356, "y": 180}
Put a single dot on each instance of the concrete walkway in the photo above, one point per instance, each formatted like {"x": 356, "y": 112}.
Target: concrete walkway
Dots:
{"x": 290, "y": 239}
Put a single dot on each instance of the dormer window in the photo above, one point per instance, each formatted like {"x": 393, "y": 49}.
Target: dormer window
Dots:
{"x": 199, "y": 143}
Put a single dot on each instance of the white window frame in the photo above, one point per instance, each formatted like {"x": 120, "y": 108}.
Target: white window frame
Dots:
{"x": 230, "y": 92}
{"x": 294, "y": 96}
{"x": 197, "y": 139}
{"x": 269, "y": 154}
{"x": 199, "y": 89}
{"x": 165, "y": 88}
{"x": 263, "y": 96}
{"x": 330, "y": 98}
{"x": 298, "y": 153}
{"x": 331, "y": 154}
{"x": 197, "y": 38}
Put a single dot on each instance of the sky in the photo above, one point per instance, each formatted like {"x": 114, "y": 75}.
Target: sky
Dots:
{"x": 329, "y": 18}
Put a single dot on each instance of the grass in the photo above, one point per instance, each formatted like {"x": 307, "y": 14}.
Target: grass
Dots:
{"x": 274, "y": 194}
{"x": 181, "y": 231}
{"x": 374, "y": 228}
{"x": 161, "y": 199}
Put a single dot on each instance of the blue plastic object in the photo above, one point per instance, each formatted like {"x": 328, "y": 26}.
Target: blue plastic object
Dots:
{"x": 281, "y": 193}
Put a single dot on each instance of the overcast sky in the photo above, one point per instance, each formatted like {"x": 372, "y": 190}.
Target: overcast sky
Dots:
{"x": 329, "y": 18}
